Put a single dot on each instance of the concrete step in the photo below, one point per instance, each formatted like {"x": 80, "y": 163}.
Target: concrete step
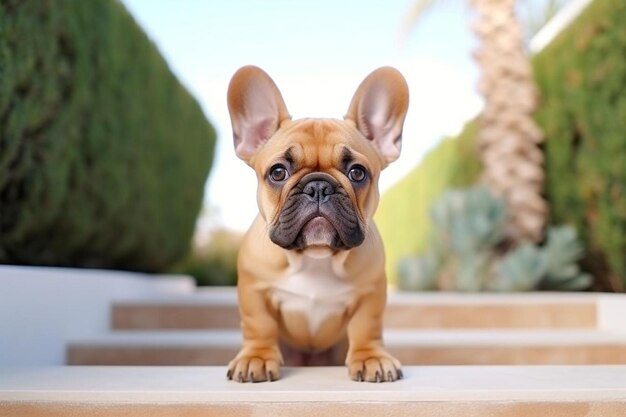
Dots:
{"x": 218, "y": 310}
{"x": 490, "y": 391}
{"x": 412, "y": 347}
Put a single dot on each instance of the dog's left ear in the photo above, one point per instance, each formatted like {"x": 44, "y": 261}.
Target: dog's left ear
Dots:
{"x": 378, "y": 109}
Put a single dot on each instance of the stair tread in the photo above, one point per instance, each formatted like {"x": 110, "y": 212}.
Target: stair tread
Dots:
{"x": 445, "y": 337}
{"x": 228, "y": 296}
{"x": 217, "y": 309}
{"x": 163, "y": 385}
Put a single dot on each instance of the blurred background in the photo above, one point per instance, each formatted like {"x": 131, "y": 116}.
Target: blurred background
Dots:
{"x": 504, "y": 219}
{"x": 116, "y": 148}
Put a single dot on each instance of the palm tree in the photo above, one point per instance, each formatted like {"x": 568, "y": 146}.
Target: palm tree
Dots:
{"x": 509, "y": 138}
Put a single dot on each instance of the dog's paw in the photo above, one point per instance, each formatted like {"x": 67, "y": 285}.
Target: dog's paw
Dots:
{"x": 255, "y": 365}
{"x": 373, "y": 365}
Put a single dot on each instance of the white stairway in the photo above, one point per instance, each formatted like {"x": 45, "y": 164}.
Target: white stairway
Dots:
{"x": 201, "y": 328}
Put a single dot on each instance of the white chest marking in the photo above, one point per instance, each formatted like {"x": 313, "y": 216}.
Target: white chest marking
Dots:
{"x": 314, "y": 287}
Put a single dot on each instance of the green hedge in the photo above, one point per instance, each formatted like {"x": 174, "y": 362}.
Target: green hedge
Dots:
{"x": 403, "y": 214}
{"x": 582, "y": 77}
{"x": 103, "y": 154}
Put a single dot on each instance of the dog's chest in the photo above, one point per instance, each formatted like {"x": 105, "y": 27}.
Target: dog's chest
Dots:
{"x": 315, "y": 289}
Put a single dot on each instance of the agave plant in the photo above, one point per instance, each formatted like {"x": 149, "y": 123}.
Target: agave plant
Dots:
{"x": 519, "y": 270}
{"x": 419, "y": 273}
{"x": 468, "y": 220}
{"x": 466, "y": 255}
{"x": 562, "y": 252}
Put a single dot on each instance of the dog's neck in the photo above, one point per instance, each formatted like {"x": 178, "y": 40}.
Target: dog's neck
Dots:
{"x": 315, "y": 286}
{"x": 317, "y": 258}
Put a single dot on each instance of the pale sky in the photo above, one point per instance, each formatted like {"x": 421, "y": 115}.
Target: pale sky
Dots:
{"x": 317, "y": 52}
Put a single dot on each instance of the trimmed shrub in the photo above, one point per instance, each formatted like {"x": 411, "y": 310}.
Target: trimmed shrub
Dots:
{"x": 103, "y": 154}
{"x": 582, "y": 77}
{"x": 402, "y": 216}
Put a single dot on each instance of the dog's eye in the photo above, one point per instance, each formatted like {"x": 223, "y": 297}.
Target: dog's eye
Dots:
{"x": 357, "y": 174}
{"x": 279, "y": 173}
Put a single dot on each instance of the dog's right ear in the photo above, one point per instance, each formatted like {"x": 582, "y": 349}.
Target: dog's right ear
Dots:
{"x": 256, "y": 110}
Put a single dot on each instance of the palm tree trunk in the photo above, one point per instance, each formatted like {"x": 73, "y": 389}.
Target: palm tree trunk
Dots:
{"x": 509, "y": 137}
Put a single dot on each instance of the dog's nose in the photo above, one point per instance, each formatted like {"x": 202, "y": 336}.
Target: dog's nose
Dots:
{"x": 319, "y": 190}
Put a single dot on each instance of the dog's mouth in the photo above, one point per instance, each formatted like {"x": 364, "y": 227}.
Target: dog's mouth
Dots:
{"x": 318, "y": 213}
{"x": 318, "y": 232}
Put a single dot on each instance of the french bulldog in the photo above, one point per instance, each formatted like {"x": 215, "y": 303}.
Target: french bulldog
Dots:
{"x": 311, "y": 266}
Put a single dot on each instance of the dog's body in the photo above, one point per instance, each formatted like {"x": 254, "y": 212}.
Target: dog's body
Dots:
{"x": 311, "y": 267}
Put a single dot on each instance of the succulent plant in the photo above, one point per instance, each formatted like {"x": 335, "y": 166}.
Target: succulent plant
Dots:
{"x": 562, "y": 252}
{"x": 418, "y": 273}
{"x": 469, "y": 220}
{"x": 465, "y": 254}
{"x": 521, "y": 269}
{"x": 472, "y": 272}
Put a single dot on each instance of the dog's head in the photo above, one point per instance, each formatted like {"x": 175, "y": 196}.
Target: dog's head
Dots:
{"x": 317, "y": 178}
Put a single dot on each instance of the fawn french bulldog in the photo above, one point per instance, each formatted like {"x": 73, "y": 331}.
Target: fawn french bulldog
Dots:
{"x": 311, "y": 267}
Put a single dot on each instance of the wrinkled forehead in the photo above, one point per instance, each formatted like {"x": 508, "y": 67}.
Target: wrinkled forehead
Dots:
{"x": 319, "y": 143}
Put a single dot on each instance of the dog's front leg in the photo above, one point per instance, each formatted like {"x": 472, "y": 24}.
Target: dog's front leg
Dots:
{"x": 367, "y": 358}
{"x": 259, "y": 359}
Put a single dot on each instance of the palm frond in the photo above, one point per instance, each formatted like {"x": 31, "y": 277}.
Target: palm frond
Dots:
{"x": 415, "y": 12}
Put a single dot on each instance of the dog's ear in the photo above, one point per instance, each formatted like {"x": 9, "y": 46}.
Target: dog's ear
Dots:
{"x": 378, "y": 109}
{"x": 256, "y": 109}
